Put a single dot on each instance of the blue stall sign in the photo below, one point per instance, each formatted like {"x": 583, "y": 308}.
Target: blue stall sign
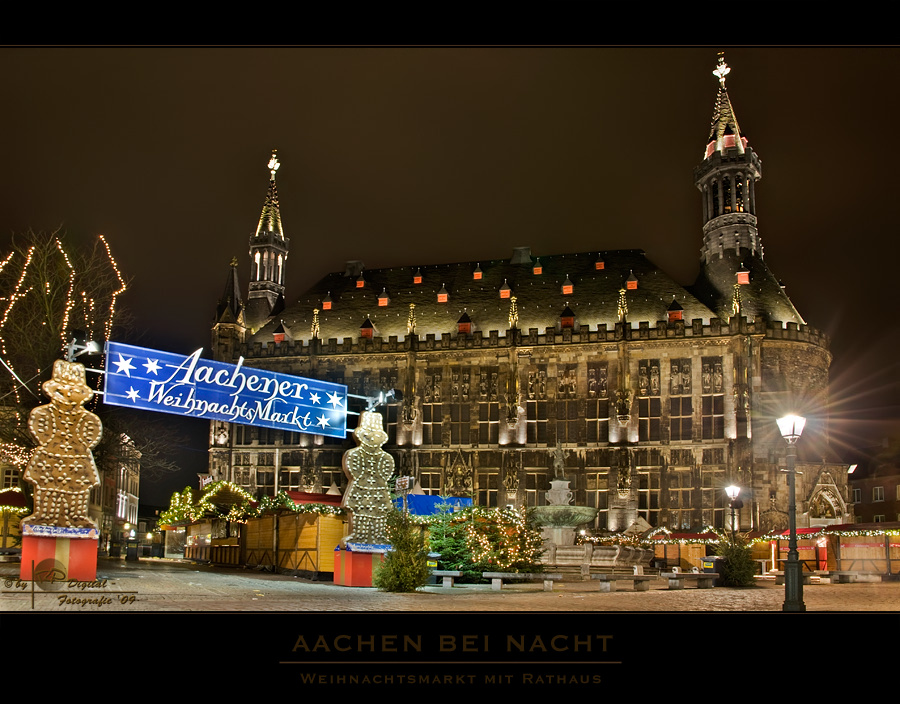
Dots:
{"x": 201, "y": 388}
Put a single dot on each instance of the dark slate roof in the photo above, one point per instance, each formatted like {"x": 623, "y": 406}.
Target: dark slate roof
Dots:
{"x": 539, "y": 298}
{"x": 762, "y": 297}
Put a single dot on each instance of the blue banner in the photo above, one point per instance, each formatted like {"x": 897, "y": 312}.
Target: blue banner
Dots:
{"x": 201, "y": 388}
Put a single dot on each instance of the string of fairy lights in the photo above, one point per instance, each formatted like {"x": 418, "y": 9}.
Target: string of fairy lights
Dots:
{"x": 185, "y": 507}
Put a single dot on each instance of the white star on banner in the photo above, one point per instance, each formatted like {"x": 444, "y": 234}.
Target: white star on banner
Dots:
{"x": 132, "y": 393}
{"x": 334, "y": 399}
{"x": 314, "y": 398}
{"x": 323, "y": 421}
{"x": 152, "y": 366}
{"x": 124, "y": 365}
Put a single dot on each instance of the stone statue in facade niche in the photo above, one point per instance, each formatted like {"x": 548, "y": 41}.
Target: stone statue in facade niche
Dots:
{"x": 559, "y": 462}
{"x": 62, "y": 468}
{"x": 368, "y": 468}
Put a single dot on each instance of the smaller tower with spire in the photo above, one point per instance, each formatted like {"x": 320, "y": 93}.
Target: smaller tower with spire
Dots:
{"x": 228, "y": 329}
{"x": 268, "y": 256}
{"x": 727, "y": 179}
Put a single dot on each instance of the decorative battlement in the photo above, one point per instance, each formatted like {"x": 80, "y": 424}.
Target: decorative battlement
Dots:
{"x": 533, "y": 337}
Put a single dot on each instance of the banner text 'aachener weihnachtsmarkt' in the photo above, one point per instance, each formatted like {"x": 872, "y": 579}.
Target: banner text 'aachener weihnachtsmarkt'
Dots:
{"x": 151, "y": 380}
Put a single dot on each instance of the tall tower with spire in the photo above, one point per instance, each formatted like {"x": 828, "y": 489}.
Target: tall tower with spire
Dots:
{"x": 732, "y": 252}
{"x": 268, "y": 256}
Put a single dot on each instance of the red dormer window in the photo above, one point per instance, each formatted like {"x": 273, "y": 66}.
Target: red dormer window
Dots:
{"x": 567, "y": 318}
{"x": 442, "y": 296}
{"x": 675, "y": 311}
{"x": 568, "y": 288}
{"x": 417, "y": 277}
{"x": 478, "y": 273}
{"x": 631, "y": 283}
{"x": 464, "y": 324}
{"x": 505, "y": 290}
{"x": 599, "y": 265}
{"x": 743, "y": 277}
{"x": 537, "y": 270}
{"x": 360, "y": 282}
{"x": 326, "y": 302}
{"x": 383, "y": 299}
{"x": 278, "y": 337}
{"x": 367, "y": 330}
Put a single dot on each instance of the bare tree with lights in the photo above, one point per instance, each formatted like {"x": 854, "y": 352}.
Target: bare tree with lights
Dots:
{"x": 48, "y": 290}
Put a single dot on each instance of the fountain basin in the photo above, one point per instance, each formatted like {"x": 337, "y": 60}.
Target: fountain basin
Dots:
{"x": 563, "y": 516}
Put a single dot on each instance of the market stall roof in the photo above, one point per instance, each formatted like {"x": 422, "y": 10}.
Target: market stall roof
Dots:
{"x": 13, "y": 498}
{"x": 850, "y": 527}
{"x": 302, "y": 497}
{"x": 685, "y": 536}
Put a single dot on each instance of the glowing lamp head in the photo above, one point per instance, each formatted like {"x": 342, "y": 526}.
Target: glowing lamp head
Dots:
{"x": 732, "y": 491}
{"x": 791, "y": 427}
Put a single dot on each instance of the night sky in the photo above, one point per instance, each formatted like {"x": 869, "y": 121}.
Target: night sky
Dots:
{"x": 415, "y": 156}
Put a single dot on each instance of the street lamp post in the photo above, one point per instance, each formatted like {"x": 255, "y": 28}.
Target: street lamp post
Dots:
{"x": 733, "y": 492}
{"x": 791, "y": 427}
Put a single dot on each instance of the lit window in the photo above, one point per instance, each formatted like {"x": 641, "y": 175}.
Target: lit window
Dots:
{"x": 599, "y": 265}
{"x": 568, "y": 288}
{"x": 383, "y": 299}
{"x": 743, "y": 276}
{"x": 417, "y": 277}
{"x": 567, "y": 318}
{"x": 538, "y": 269}
{"x": 326, "y": 302}
{"x": 464, "y": 324}
{"x": 367, "y": 330}
{"x": 477, "y": 274}
{"x": 442, "y": 296}
{"x": 360, "y": 282}
{"x": 505, "y": 290}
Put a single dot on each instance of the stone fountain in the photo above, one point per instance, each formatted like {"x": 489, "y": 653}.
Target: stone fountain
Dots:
{"x": 559, "y": 518}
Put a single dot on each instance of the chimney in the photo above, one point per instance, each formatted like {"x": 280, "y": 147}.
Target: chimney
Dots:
{"x": 521, "y": 255}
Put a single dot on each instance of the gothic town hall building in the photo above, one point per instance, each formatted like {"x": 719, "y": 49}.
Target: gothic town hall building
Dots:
{"x": 655, "y": 396}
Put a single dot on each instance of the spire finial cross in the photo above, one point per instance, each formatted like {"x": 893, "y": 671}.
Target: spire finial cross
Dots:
{"x": 721, "y": 69}
{"x": 274, "y": 163}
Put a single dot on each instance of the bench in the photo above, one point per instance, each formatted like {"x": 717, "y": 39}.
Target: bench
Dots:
{"x": 498, "y": 577}
{"x": 676, "y": 578}
{"x": 849, "y": 576}
{"x": 448, "y": 577}
{"x": 638, "y": 578}
{"x": 805, "y": 577}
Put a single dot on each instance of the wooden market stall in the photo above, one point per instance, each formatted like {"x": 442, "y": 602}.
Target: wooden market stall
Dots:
{"x": 295, "y": 540}
{"x": 865, "y": 547}
{"x": 812, "y": 548}
{"x": 13, "y": 505}
{"x": 682, "y": 550}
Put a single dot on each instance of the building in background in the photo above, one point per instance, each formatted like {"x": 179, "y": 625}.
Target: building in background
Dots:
{"x": 649, "y": 396}
{"x": 114, "y": 501}
{"x": 875, "y": 485}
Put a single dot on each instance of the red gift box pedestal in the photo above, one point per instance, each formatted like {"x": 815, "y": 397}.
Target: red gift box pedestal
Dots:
{"x": 354, "y": 569}
{"x": 59, "y": 559}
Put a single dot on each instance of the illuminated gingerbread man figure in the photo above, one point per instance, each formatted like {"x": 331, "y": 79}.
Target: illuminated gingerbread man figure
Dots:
{"x": 62, "y": 468}
{"x": 369, "y": 468}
